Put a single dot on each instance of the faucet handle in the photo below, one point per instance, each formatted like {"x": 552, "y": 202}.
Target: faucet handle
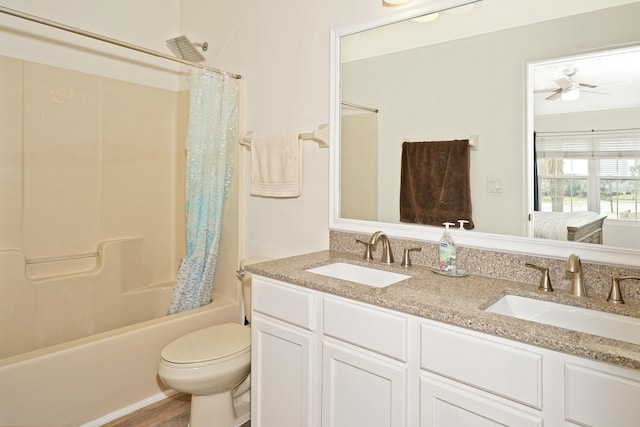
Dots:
{"x": 406, "y": 259}
{"x": 367, "y": 250}
{"x": 545, "y": 280}
{"x": 615, "y": 295}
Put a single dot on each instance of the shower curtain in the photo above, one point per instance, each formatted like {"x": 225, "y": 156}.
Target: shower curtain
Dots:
{"x": 211, "y": 144}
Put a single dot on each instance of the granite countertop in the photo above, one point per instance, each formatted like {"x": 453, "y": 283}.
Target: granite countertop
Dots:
{"x": 460, "y": 301}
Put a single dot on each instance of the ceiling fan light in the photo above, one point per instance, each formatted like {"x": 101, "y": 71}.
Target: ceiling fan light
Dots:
{"x": 392, "y": 3}
{"x": 570, "y": 94}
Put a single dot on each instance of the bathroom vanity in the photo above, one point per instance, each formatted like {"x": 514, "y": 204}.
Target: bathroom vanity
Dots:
{"x": 424, "y": 352}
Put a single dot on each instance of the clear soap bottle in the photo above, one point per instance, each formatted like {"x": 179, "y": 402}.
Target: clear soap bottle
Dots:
{"x": 447, "y": 251}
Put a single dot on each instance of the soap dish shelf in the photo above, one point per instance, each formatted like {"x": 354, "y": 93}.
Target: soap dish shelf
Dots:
{"x": 457, "y": 273}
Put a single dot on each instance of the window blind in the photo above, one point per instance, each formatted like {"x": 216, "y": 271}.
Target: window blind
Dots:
{"x": 589, "y": 145}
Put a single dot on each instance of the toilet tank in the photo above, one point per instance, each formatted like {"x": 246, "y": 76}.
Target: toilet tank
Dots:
{"x": 245, "y": 279}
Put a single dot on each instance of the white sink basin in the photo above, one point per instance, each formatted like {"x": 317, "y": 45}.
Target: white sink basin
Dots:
{"x": 363, "y": 275}
{"x": 623, "y": 328}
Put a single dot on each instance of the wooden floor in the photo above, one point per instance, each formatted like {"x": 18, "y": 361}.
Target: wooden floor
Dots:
{"x": 170, "y": 412}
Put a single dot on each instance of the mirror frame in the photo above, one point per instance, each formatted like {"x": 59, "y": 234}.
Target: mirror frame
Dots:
{"x": 496, "y": 242}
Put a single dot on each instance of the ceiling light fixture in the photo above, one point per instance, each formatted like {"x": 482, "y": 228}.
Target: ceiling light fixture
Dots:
{"x": 571, "y": 93}
{"x": 393, "y": 3}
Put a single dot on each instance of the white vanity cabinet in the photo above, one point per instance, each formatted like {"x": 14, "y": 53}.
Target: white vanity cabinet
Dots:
{"x": 364, "y": 354}
{"x": 468, "y": 380}
{"x": 597, "y": 394}
{"x": 321, "y": 360}
{"x": 283, "y": 355}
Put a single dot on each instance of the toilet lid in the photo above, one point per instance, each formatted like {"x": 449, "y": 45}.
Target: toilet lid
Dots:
{"x": 210, "y": 343}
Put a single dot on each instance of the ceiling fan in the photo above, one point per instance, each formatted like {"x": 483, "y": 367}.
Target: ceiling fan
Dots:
{"x": 570, "y": 88}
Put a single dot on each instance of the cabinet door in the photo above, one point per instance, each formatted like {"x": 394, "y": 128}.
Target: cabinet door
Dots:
{"x": 281, "y": 374}
{"x": 447, "y": 404}
{"x": 602, "y": 395}
{"x": 361, "y": 389}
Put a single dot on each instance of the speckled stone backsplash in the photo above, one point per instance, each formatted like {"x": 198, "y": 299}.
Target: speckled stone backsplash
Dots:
{"x": 503, "y": 265}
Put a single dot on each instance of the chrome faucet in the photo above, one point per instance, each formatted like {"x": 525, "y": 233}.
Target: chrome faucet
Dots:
{"x": 574, "y": 267}
{"x": 387, "y": 253}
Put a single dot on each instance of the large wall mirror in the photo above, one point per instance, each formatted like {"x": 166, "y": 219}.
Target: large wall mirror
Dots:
{"x": 498, "y": 72}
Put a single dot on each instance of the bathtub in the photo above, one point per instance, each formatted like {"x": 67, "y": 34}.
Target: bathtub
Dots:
{"x": 91, "y": 379}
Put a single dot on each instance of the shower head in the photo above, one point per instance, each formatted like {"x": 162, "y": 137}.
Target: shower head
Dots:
{"x": 184, "y": 49}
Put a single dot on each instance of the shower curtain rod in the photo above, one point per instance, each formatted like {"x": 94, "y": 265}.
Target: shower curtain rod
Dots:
{"x": 95, "y": 36}
{"x": 360, "y": 107}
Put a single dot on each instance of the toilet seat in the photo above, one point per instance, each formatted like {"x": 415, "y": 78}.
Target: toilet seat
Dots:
{"x": 209, "y": 345}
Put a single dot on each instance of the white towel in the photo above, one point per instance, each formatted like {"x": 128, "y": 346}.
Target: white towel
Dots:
{"x": 276, "y": 166}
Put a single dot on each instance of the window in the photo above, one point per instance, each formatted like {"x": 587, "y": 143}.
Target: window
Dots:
{"x": 595, "y": 171}
{"x": 620, "y": 188}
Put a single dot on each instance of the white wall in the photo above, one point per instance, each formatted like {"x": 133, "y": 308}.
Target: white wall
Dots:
{"x": 281, "y": 48}
{"x": 146, "y": 23}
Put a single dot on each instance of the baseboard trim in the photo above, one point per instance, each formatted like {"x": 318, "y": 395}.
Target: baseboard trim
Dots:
{"x": 129, "y": 409}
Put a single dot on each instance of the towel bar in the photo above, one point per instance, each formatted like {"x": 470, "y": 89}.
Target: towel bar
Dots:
{"x": 474, "y": 142}
{"x": 320, "y": 135}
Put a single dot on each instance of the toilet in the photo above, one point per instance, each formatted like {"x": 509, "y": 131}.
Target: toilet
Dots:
{"x": 213, "y": 365}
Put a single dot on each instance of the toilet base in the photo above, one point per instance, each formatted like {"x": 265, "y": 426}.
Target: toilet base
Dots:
{"x": 218, "y": 410}
{"x": 214, "y": 410}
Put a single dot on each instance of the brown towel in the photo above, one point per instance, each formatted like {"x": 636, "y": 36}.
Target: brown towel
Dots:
{"x": 434, "y": 182}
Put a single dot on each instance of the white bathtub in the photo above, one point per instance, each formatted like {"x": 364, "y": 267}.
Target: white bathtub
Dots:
{"x": 81, "y": 381}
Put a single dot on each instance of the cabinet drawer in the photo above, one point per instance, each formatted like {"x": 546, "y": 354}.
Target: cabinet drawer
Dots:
{"x": 597, "y": 398}
{"x": 284, "y": 302}
{"x": 502, "y": 369}
{"x": 366, "y": 326}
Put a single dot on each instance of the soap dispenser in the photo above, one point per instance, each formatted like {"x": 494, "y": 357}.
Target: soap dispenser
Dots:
{"x": 447, "y": 251}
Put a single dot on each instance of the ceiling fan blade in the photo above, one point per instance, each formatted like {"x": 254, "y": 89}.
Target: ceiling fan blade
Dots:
{"x": 555, "y": 95}
{"x": 588, "y": 85}
{"x": 546, "y": 90}
{"x": 593, "y": 91}
{"x": 614, "y": 82}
